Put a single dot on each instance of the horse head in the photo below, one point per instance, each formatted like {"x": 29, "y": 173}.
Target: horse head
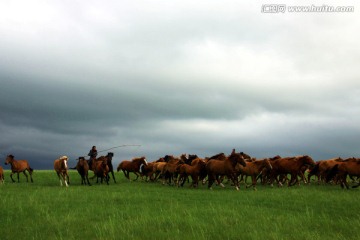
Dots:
{"x": 110, "y": 155}
{"x": 9, "y": 159}
{"x": 237, "y": 158}
{"x": 64, "y": 160}
{"x": 267, "y": 163}
{"x": 308, "y": 160}
{"x": 143, "y": 161}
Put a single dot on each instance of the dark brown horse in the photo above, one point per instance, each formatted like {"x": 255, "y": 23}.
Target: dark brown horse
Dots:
{"x": 289, "y": 165}
{"x": 108, "y": 158}
{"x": 253, "y": 169}
{"x": 101, "y": 170}
{"x": 194, "y": 170}
{"x": 342, "y": 169}
{"x": 82, "y": 167}
{"x": 18, "y": 166}
{"x": 2, "y": 174}
{"x": 61, "y": 169}
{"x": 132, "y": 166}
{"x": 216, "y": 168}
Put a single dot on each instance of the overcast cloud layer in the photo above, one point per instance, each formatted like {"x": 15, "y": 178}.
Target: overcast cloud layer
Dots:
{"x": 177, "y": 77}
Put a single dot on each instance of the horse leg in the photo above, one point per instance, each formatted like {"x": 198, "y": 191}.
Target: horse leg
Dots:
{"x": 87, "y": 178}
{"x": 211, "y": 179}
{"x": 112, "y": 173}
{"x": 254, "y": 182}
{"x": 126, "y": 174}
{"x": 58, "y": 174}
{"x": 11, "y": 176}
{"x": 64, "y": 178}
{"x": 68, "y": 178}
{"x": 234, "y": 180}
{"x": 27, "y": 178}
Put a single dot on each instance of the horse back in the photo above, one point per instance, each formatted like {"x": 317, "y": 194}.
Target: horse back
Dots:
{"x": 20, "y": 165}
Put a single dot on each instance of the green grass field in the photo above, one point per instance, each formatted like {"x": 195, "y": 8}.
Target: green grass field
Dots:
{"x": 143, "y": 210}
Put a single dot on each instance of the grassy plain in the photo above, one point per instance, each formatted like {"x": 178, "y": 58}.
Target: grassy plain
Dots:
{"x": 143, "y": 210}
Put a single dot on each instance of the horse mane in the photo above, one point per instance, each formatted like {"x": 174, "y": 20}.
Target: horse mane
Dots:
{"x": 275, "y": 158}
{"x": 137, "y": 159}
{"x": 167, "y": 158}
{"x": 217, "y": 156}
{"x": 246, "y": 156}
{"x": 352, "y": 159}
{"x": 160, "y": 160}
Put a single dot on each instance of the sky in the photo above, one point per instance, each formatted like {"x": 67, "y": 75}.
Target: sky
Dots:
{"x": 196, "y": 77}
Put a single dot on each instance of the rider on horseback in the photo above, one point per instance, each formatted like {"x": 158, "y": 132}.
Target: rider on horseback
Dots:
{"x": 92, "y": 153}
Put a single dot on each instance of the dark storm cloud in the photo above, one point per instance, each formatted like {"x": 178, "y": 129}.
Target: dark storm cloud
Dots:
{"x": 176, "y": 78}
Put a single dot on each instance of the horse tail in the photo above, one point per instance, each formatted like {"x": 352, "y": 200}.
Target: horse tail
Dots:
{"x": 119, "y": 168}
{"x": 333, "y": 171}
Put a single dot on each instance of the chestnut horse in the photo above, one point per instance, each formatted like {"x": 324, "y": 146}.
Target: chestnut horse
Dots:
{"x": 253, "y": 169}
{"x": 194, "y": 170}
{"x": 289, "y": 165}
{"x": 322, "y": 168}
{"x": 83, "y": 169}
{"x": 108, "y": 157}
{"x": 147, "y": 171}
{"x": 101, "y": 170}
{"x": 18, "y": 166}
{"x": 1, "y": 174}
{"x": 216, "y": 168}
{"x": 61, "y": 169}
{"x": 349, "y": 166}
{"x": 132, "y": 166}
{"x": 171, "y": 168}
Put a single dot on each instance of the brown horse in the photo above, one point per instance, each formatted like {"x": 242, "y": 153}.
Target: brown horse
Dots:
{"x": 216, "y": 168}
{"x": 1, "y": 174}
{"x": 132, "y": 166}
{"x": 61, "y": 169}
{"x": 18, "y": 166}
{"x": 347, "y": 167}
{"x": 194, "y": 170}
{"x": 171, "y": 168}
{"x": 147, "y": 171}
{"x": 253, "y": 169}
{"x": 322, "y": 168}
{"x": 289, "y": 165}
{"x": 101, "y": 170}
{"x": 265, "y": 173}
{"x": 158, "y": 168}
{"x": 83, "y": 169}
{"x": 108, "y": 157}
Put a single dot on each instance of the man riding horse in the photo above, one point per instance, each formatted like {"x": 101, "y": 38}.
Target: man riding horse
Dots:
{"x": 92, "y": 153}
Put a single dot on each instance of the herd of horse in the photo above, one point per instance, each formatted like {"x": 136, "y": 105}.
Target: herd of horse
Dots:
{"x": 220, "y": 168}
